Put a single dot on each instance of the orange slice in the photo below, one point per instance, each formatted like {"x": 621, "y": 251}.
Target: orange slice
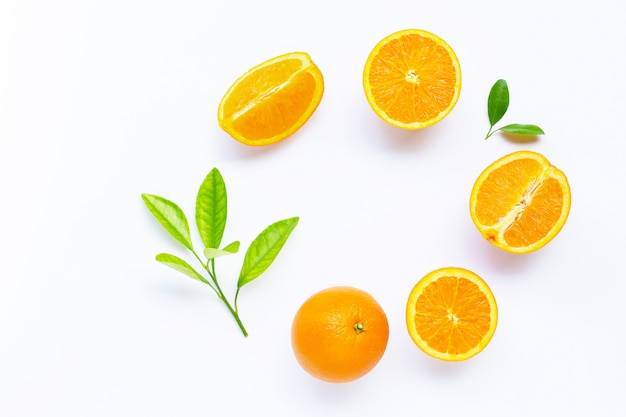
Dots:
{"x": 412, "y": 79}
{"x": 272, "y": 100}
{"x": 520, "y": 202}
{"x": 451, "y": 314}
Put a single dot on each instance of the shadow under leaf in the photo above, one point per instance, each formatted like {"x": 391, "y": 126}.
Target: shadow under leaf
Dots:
{"x": 519, "y": 138}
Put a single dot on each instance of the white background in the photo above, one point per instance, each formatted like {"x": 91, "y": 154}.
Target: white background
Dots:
{"x": 101, "y": 101}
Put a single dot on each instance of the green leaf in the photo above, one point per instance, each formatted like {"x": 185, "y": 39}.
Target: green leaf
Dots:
{"x": 522, "y": 129}
{"x": 232, "y": 247}
{"x": 211, "y": 209}
{"x": 264, "y": 249}
{"x": 170, "y": 216}
{"x": 211, "y": 253}
{"x": 180, "y": 265}
{"x": 498, "y": 101}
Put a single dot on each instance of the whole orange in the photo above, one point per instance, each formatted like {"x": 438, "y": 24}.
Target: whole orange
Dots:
{"x": 339, "y": 334}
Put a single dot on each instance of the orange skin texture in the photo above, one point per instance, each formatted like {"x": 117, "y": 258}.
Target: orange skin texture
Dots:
{"x": 326, "y": 342}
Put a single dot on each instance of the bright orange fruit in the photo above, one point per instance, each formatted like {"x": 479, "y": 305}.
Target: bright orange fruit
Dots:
{"x": 339, "y": 334}
{"x": 451, "y": 314}
{"x": 272, "y": 100}
{"x": 520, "y": 202}
{"x": 412, "y": 79}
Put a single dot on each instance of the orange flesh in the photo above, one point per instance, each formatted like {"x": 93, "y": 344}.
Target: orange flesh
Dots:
{"x": 539, "y": 217}
{"x": 453, "y": 315}
{"x": 522, "y": 198}
{"x": 268, "y": 118}
{"x": 517, "y": 177}
{"x": 259, "y": 83}
{"x": 413, "y": 79}
{"x": 272, "y": 100}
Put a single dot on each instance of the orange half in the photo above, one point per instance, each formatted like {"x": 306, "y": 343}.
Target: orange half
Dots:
{"x": 520, "y": 202}
{"x": 412, "y": 79}
{"x": 451, "y": 314}
{"x": 272, "y": 100}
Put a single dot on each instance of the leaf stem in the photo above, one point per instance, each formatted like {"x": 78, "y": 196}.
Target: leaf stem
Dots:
{"x": 236, "y": 298}
{"x": 209, "y": 266}
{"x": 236, "y": 317}
{"x": 204, "y": 266}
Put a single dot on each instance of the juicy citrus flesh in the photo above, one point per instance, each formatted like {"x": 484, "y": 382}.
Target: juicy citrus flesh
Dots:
{"x": 451, "y": 314}
{"x": 339, "y": 334}
{"x": 273, "y": 100}
{"x": 520, "y": 202}
{"x": 412, "y": 79}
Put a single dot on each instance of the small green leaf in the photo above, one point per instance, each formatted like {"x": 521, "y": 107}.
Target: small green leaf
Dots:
{"x": 211, "y": 253}
{"x": 498, "y": 101}
{"x": 232, "y": 247}
{"x": 264, "y": 249}
{"x": 211, "y": 209}
{"x": 170, "y": 216}
{"x": 522, "y": 129}
{"x": 180, "y": 265}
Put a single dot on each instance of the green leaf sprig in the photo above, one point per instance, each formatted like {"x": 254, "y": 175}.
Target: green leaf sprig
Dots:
{"x": 211, "y": 213}
{"x": 497, "y": 105}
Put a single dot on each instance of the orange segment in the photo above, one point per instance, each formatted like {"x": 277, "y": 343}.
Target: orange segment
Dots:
{"x": 520, "y": 202}
{"x": 451, "y": 314}
{"x": 272, "y": 100}
{"x": 412, "y": 79}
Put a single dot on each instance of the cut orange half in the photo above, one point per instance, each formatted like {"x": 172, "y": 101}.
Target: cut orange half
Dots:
{"x": 272, "y": 100}
{"x": 412, "y": 79}
{"x": 451, "y": 314}
{"x": 520, "y": 202}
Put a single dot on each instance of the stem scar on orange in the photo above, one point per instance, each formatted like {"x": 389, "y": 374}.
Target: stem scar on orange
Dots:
{"x": 451, "y": 314}
{"x": 272, "y": 100}
{"x": 412, "y": 79}
{"x": 520, "y": 202}
{"x": 339, "y": 334}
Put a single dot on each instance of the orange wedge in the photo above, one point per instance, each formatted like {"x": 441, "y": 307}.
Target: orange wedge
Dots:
{"x": 412, "y": 79}
{"x": 451, "y": 314}
{"x": 520, "y": 202}
{"x": 272, "y": 100}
